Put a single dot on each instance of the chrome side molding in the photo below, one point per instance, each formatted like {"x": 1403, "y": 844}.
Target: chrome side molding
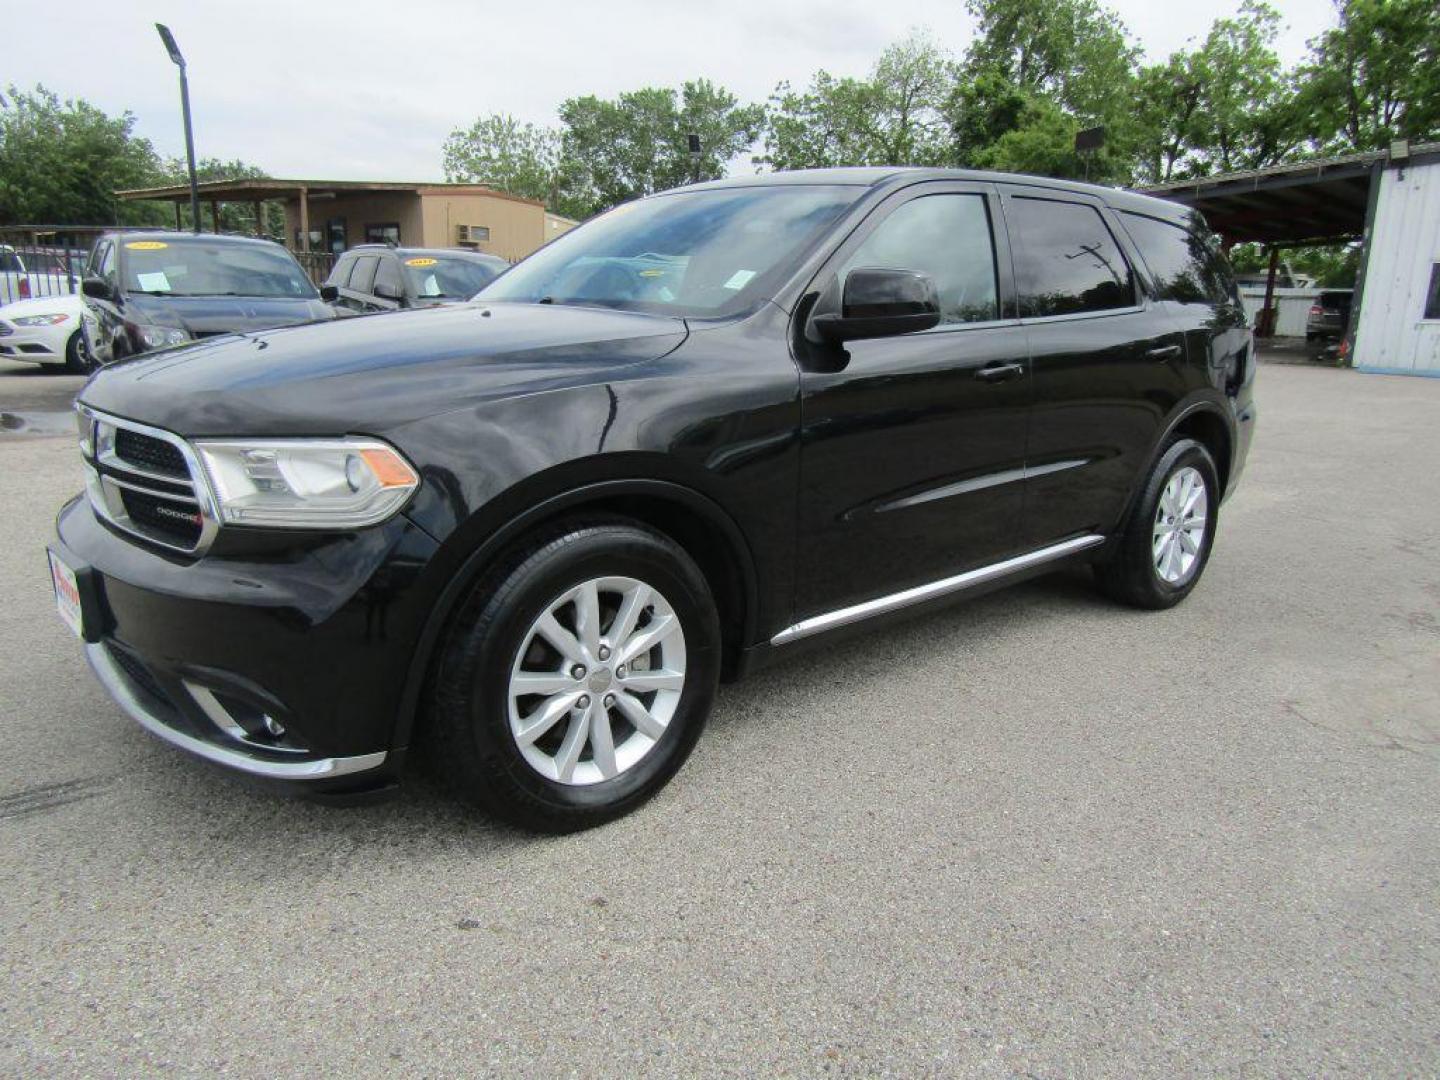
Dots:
{"x": 935, "y": 589}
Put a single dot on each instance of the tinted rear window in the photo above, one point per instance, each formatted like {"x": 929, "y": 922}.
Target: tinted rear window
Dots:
{"x": 1066, "y": 261}
{"x": 1182, "y": 262}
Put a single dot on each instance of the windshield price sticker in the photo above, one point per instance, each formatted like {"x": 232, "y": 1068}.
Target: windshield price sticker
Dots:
{"x": 147, "y": 245}
{"x": 421, "y": 262}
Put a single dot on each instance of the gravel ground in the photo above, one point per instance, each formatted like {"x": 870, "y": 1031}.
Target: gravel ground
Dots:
{"x": 1036, "y": 835}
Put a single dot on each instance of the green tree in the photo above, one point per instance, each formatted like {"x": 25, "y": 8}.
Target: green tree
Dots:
{"x": 636, "y": 144}
{"x": 1075, "y": 51}
{"x": 1376, "y": 76}
{"x": 1249, "y": 115}
{"x": 62, "y": 161}
{"x": 507, "y": 154}
{"x": 1041, "y": 143}
{"x": 895, "y": 116}
{"x": 1037, "y": 73}
{"x": 1168, "y": 101}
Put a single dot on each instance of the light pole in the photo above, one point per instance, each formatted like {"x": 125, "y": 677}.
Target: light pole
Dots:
{"x": 174, "y": 51}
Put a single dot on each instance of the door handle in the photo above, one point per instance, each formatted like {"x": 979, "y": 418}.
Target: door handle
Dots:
{"x": 1000, "y": 372}
{"x": 1163, "y": 352}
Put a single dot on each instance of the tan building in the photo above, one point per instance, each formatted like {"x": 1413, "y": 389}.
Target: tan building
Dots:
{"x": 331, "y": 215}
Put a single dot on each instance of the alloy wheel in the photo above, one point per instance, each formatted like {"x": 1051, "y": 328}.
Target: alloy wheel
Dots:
{"x": 1179, "y": 531}
{"x": 596, "y": 680}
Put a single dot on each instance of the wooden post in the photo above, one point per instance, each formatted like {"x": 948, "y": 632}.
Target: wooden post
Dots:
{"x": 304, "y": 219}
{"x": 1266, "y": 327}
{"x": 177, "y": 215}
{"x": 214, "y": 216}
{"x": 259, "y": 217}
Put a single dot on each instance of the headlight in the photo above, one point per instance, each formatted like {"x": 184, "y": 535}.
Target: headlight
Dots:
{"x": 307, "y": 483}
{"x": 41, "y": 320}
{"x": 160, "y": 337}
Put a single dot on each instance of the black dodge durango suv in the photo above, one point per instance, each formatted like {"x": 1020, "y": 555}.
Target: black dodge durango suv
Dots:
{"x": 529, "y": 534}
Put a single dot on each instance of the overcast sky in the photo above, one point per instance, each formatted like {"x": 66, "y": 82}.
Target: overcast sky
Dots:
{"x": 369, "y": 89}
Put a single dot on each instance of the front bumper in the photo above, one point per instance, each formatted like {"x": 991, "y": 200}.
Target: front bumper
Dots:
{"x": 33, "y": 346}
{"x": 153, "y": 715}
{"x": 315, "y": 637}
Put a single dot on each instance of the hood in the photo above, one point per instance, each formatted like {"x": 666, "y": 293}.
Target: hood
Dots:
{"x": 204, "y": 316}
{"x": 373, "y": 373}
{"x": 64, "y": 304}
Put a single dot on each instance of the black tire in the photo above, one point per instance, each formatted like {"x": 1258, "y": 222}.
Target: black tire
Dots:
{"x": 467, "y": 735}
{"x": 77, "y": 355}
{"x": 1130, "y": 574}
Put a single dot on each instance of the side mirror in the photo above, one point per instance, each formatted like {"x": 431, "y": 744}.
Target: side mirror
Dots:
{"x": 882, "y": 303}
{"x": 388, "y": 292}
{"x": 97, "y": 288}
{"x": 329, "y": 293}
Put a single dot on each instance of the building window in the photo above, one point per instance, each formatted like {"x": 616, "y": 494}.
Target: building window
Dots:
{"x": 474, "y": 234}
{"x": 384, "y": 233}
{"x": 335, "y": 235}
{"x": 1432, "y": 296}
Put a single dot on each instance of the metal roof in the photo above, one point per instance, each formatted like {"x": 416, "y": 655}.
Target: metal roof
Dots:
{"x": 254, "y": 190}
{"x": 1306, "y": 201}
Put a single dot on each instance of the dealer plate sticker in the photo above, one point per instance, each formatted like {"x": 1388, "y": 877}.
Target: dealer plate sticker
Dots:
{"x": 67, "y": 595}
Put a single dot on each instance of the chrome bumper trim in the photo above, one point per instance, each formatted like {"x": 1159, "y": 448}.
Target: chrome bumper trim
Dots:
{"x": 113, "y": 678}
{"x": 920, "y": 593}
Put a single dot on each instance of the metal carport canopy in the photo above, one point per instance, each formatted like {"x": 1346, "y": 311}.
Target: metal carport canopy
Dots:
{"x": 1307, "y": 202}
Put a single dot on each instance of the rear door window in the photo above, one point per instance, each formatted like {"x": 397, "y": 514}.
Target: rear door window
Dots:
{"x": 946, "y": 237}
{"x": 362, "y": 277}
{"x": 340, "y": 276}
{"x": 1066, "y": 260}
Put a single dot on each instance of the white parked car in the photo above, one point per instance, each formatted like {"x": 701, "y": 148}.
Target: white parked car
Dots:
{"x": 46, "y": 331}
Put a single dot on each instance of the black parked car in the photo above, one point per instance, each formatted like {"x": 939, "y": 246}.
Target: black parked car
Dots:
{"x": 376, "y": 277}
{"x": 530, "y": 533}
{"x": 154, "y": 290}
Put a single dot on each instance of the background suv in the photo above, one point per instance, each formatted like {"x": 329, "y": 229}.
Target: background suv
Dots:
{"x": 1329, "y": 315}
{"x": 377, "y": 277}
{"x": 156, "y": 290}
{"x": 530, "y": 533}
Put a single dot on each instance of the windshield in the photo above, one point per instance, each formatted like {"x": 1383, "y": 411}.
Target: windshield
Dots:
{"x": 201, "y": 268}
{"x": 447, "y": 278}
{"x": 699, "y": 253}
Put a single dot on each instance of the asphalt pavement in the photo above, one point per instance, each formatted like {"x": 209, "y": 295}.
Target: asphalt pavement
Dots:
{"x": 1036, "y": 835}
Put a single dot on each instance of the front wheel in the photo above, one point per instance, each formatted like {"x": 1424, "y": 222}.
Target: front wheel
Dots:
{"x": 1167, "y": 539}
{"x": 77, "y": 355}
{"x": 576, "y": 678}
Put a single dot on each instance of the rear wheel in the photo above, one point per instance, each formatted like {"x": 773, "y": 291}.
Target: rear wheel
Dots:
{"x": 577, "y": 677}
{"x": 1166, "y": 542}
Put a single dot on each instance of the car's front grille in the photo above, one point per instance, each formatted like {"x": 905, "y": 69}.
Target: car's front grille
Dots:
{"x": 178, "y": 522}
{"x": 146, "y": 482}
{"x": 151, "y": 453}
